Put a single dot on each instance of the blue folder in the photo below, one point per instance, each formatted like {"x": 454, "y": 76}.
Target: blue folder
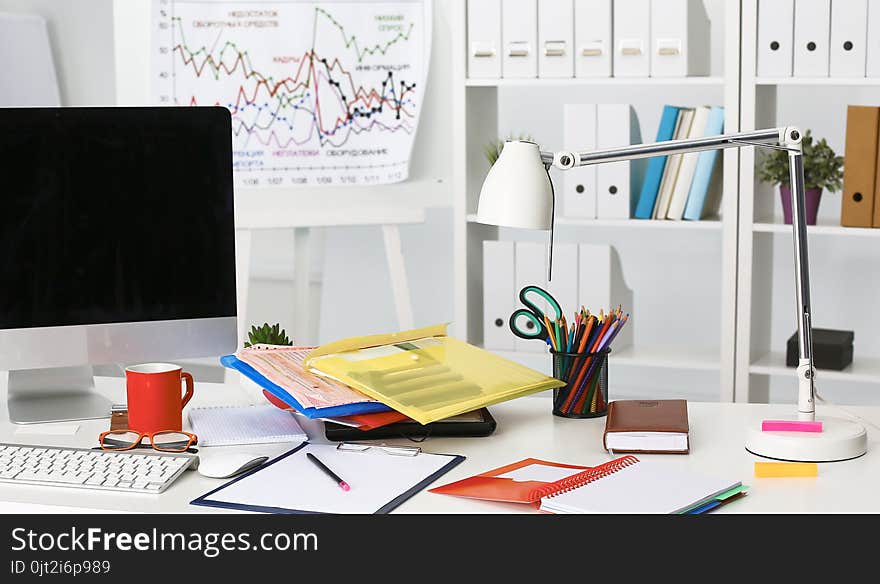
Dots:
{"x": 332, "y": 412}
{"x": 656, "y": 166}
{"x": 696, "y": 202}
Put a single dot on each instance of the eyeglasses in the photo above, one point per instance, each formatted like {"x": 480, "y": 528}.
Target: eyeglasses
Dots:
{"x": 393, "y": 450}
{"x": 165, "y": 441}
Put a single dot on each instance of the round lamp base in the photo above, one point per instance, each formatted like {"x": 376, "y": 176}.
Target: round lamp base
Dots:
{"x": 839, "y": 440}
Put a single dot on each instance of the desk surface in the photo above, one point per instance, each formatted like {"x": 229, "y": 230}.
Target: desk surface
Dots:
{"x": 526, "y": 428}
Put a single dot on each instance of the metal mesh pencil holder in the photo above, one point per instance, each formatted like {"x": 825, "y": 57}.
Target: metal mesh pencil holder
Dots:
{"x": 585, "y": 394}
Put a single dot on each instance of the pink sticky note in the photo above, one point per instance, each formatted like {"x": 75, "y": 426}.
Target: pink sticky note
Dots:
{"x": 790, "y": 426}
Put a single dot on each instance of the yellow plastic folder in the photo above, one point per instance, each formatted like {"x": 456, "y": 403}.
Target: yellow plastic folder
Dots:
{"x": 425, "y": 374}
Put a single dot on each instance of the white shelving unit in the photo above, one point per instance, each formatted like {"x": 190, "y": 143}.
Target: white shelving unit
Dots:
{"x": 840, "y": 257}
{"x": 476, "y": 105}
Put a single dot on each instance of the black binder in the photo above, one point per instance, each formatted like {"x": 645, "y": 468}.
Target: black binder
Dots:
{"x": 474, "y": 424}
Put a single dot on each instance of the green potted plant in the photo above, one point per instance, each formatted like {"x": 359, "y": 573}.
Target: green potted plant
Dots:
{"x": 267, "y": 335}
{"x": 492, "y": 150}
{"x": 823, "y": 170}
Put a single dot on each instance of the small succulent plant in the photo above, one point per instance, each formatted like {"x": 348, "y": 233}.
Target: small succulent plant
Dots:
{"x": 267, "y": 335}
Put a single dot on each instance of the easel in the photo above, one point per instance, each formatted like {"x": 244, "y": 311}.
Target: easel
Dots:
{"x": 302, "y": 222}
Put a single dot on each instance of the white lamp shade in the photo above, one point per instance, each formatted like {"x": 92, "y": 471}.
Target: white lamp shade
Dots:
{"x": 517, "y": 191}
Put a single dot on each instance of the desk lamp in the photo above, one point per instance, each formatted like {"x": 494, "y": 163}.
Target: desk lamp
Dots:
{"x": 518, "y": 192}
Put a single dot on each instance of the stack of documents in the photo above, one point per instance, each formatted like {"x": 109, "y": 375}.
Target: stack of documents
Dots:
{"x": 425, "y": 374}
{"x": 279, "y": 371}
{"x": 422, "y": 374}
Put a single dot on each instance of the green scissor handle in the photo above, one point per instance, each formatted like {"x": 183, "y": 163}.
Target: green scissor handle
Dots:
{"x": 534, "y": 315}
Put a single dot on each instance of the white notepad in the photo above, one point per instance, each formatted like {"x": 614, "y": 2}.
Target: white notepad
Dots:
{"x": 292, "y": 483}
{"x": 643, "y": 487}
{"x": 228, "y": 425}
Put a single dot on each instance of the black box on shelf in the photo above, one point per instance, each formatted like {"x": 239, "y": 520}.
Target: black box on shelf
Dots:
{"x": 832, "y": 349}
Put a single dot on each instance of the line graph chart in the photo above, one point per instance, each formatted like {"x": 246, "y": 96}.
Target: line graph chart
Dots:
{"x": 320, "y": 93}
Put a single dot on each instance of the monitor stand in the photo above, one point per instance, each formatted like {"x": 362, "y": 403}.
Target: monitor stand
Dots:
{"x": 60, "y": 394}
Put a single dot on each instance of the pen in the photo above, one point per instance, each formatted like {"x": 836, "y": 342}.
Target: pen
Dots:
{"x": 342, "y": 484}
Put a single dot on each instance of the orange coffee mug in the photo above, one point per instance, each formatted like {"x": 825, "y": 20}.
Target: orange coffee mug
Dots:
{"x": 154, "y": 400}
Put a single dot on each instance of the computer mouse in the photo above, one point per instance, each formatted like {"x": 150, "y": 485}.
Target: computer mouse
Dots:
{"x": 222, "y": 466}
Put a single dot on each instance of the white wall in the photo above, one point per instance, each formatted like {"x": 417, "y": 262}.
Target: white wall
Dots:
{"x": 81, "y": 33}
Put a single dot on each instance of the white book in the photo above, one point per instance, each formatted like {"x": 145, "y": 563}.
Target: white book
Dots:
{"x": 228, "y": 425}
{"x": 685, "y": 177}
{"x": 670, "y": 173}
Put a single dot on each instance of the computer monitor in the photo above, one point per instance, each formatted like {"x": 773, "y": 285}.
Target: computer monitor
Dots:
{"x": 117, "y": 245}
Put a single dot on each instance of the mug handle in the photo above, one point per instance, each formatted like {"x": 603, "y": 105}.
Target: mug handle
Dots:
{"x": 189, "y": 388}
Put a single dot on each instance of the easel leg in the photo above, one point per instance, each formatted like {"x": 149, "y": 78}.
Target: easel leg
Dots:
{"x": 302, "y": 263}
{"x": 399, "y": 283}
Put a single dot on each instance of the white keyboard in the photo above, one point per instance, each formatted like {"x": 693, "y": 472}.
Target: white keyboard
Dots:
{"x": 132, "y": 471}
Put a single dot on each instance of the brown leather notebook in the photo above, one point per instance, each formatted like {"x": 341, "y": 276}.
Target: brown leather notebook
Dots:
{"x": 647, "y": 426}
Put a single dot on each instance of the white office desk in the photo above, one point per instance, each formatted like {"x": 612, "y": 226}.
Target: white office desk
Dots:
{"x": 526, "y": 428}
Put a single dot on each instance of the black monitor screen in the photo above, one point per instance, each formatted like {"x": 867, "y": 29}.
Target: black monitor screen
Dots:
{"x": 115, "y": 215}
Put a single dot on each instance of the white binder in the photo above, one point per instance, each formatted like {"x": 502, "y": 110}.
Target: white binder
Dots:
{"x": 484, "y": 39}
{"x": 555, "y": 38}
{"x": 531, "y": 270}
{"x": 615, "y": 181}
{"x": 812, "y": 34}
{"x": 499, "y": 296}
{"x": 849, "y": 37}
{"x": 601, "y": 285}
{"x": 679, "y": 38}
{"x": 775, "y": 38}
{"x": 579, "y": 183}
{"x": 564, "y": 284}
{"x": 632, "y": 38}
{"x": 519, "y": 35}
{"x": 873, "y": 60}
{"x": 592, "y": 38}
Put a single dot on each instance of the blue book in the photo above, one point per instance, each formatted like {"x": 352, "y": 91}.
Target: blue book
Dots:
{"x": 702, "y": 182}
{"x": 656, "y": 166}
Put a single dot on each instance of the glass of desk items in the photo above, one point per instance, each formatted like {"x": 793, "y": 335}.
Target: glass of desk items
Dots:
{"x": 585, "y": 394}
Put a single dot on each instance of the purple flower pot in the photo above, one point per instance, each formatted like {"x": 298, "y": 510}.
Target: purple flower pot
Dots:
{"x": 813, "y": 197}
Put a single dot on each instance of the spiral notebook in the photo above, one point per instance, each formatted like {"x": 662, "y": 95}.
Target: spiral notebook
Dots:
{"x": 228, "y": 425}
{"x": 623, "y": 485}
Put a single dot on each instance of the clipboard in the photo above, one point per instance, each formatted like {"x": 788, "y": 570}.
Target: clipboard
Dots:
{"x": 381, "y": 478}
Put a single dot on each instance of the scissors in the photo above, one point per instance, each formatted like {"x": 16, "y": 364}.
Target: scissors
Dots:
{"x": 535, "y": 325}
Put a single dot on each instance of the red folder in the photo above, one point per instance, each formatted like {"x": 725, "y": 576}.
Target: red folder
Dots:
{"x": 491, "y": 487}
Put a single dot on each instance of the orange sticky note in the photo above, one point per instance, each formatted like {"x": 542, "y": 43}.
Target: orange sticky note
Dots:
{"x": 767, "y": 470}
